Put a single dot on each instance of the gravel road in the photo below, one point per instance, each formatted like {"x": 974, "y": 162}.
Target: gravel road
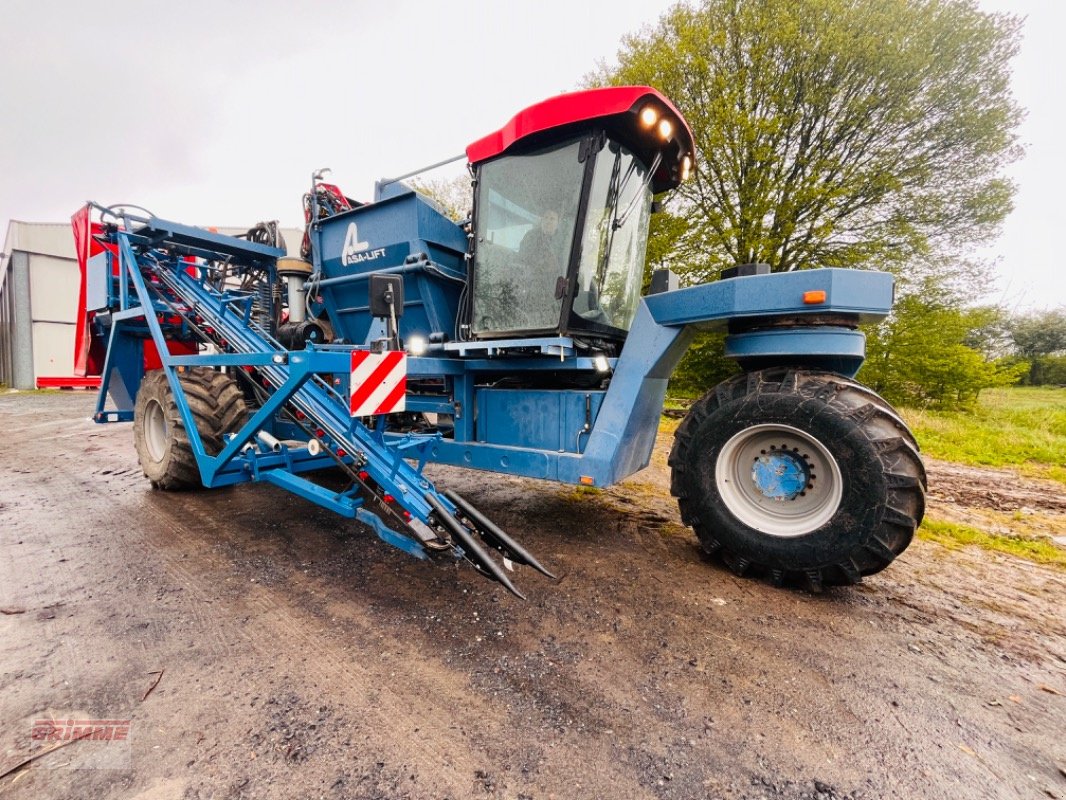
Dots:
{"x": 294, "y": 656}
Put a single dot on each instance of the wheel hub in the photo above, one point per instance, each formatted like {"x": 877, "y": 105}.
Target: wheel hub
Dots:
{"x": 155, "y": 430}
{"x": 781, "y": 474}
{"x": 779, "y": 480}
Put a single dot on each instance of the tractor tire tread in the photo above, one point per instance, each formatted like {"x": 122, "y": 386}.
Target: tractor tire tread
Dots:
{"x": 218, "y": 407}
{"x": 888, "y": 436}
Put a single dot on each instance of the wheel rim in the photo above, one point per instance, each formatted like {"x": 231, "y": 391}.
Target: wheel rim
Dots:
{"x": 155, "y": 430}
{"x": 779, "y": 480}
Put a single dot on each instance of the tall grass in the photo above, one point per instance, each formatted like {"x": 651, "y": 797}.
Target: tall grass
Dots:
{"x": 1021, "y": 427}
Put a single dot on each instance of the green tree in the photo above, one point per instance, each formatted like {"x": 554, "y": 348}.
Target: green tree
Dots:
{"x": 1052, "y": 370}
{"x": 1040, "y": 338}
{"x": 665, "y": 234}
{"x": 704, "y": 365}
{"x": 927, "y": 353}
{"x": 454, "y": 196}
{"x": 833, "y": 132}
{"x": 1040, "y": 333}
{"x": 990, "y": 334}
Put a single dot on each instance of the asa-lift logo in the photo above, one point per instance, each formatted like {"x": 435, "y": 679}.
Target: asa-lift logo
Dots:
{"x": 355, "y": 251}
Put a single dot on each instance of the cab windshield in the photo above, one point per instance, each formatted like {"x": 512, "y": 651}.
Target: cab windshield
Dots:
{"x": 611, "y": 261}
{"x": 529, "y": 276}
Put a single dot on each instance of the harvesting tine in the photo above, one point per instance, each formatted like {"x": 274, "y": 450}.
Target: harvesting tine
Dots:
{"x": 473, "y": 550}
{"x": 492, "y": 534}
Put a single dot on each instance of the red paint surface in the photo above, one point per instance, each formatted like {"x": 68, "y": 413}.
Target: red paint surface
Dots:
{"x": 565, "y": 109}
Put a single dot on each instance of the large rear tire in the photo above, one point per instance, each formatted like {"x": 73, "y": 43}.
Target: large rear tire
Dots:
{"x": 799, "y": 475}
{"x": 162, "y": 443}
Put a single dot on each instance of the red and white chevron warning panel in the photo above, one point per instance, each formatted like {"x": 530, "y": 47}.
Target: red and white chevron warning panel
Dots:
{"x": 379, "y": 382}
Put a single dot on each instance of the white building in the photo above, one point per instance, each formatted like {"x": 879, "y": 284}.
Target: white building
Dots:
{"x": 39, "y": 283}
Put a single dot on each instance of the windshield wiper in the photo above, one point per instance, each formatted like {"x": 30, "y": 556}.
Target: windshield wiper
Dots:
{"x": 620, "y": 219}
{"x": 615, "y": 190}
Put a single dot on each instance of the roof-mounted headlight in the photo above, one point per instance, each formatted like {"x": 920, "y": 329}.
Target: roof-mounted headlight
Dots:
{"x": 666, "y": 127}
{"x": 649, "y": 115}
{"x": 686, "y": 167}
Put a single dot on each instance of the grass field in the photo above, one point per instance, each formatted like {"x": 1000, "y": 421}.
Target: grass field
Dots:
{"x": 1020, "y": 427}
{"x": 954, "y": 535}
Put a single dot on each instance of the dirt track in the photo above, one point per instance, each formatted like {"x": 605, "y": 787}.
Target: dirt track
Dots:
{"x": 302, "y": 658}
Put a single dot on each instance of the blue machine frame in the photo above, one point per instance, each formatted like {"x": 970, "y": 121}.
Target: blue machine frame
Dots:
{"x": 623, "y": 419}
{"x": 159, "y": 294}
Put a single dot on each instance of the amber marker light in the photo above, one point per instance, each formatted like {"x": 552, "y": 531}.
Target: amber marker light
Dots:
{"x": 587, "y": 480}
{"x": 814, "y": 298}
{"x": 686, "y": 167}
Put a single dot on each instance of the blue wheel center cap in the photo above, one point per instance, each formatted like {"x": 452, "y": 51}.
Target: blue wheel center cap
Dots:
{"x": 781, "y": 475}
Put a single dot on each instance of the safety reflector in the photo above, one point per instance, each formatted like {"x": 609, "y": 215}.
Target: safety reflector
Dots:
{"x": 814, "y": 297}
{"x": 587, "y": 480}
{"x": 379, "y": 382}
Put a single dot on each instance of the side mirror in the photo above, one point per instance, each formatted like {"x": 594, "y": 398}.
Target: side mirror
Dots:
{"x": 386, "y": 296}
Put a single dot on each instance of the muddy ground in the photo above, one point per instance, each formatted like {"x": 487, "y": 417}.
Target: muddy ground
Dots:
{"x": 301, "y": 658}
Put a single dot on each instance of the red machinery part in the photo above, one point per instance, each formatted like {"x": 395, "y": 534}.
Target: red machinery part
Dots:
{"x": 89, "y": 351}
{"x": 68, "y": 382}
{"x": 176, "y": 348}
{"x": 621, "y": 103}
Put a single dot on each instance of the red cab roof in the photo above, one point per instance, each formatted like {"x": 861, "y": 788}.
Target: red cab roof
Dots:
{"x": 575, "y": 107}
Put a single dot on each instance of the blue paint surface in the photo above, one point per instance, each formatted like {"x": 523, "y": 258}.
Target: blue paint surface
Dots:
{"x": 780, "y": 475}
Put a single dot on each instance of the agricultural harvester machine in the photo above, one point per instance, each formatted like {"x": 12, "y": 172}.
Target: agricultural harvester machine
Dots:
{"x": 514, "y": 342}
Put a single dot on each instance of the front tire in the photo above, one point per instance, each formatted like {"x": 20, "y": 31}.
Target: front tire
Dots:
{"x": 803, "y": 476}
{"x": 162, "y": 443}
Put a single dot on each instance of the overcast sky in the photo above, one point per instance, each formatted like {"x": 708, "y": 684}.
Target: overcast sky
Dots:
{"x": 215, "y": 113}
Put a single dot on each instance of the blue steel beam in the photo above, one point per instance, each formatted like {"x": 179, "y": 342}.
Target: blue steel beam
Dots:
{"x": 624, "y": 430}
{"x": 157, "y": 231}
{"x": 868, "y": 295}
{"x": 328, "y": 411}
